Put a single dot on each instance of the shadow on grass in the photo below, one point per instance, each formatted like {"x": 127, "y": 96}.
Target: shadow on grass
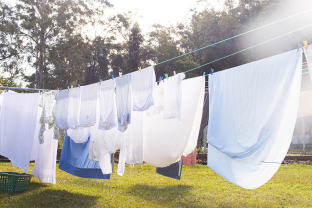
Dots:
{"x": 32, "y": 187}
{"x": 178, "y": 195}
{"x": 49, "y": 198}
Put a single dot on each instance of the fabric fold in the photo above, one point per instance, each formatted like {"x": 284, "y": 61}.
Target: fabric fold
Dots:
{"x": 62, "y": 109}
{"x": 108, "y": 111}
{"x": 123, "y": 101}
{"x": 88, "y": 101}
{"x": 165, "y": 140}
{"x": 18, "y": 121}
{"x": 142, "y": 88}
{"x": 173, "y": 96}
{"x": 73, "y": 108}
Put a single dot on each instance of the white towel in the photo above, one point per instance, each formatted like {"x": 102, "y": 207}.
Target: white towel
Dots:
{"x": 173, "y": 96}
{"x": 88, "y": 105}
{"x": 17, "y": 127}
{"x": 108, "y": 111}
{"x": 73, "y": 108}
{"x": 79, "y": 135}
{"x": 62, "y": 109}
{"x": 252, "y": 114}
{"x": 142, "y": 88}
{"x": 45, "y": 165}
{"x": 123, "y": 101}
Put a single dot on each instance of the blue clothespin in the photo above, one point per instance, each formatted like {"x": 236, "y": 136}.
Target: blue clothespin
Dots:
{"x": 60, "y": 89}
{"x": 212, "y": 70}
{"x": 112, "y": 76}
{"x": 68, "y": 88}
{"x": 160, "y": 78}
{"x": 9, "y": 89}
{"x": 204, "y": 73}
{"x": 5, "y": 90}
{"x": 79, "y": 85}
{"x": 299, "y": 46}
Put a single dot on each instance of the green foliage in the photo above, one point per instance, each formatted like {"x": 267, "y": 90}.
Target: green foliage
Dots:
{"x": 143, "y": 187}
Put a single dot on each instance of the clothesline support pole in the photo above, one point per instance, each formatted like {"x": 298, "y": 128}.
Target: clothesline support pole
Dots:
{"x": 303, "y": 134}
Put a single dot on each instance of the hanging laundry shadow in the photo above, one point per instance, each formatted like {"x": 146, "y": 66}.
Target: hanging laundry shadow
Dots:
{"x": 49, "y": 198}
{"x": 33, "y": 186}
{"x": 161, "y": 195}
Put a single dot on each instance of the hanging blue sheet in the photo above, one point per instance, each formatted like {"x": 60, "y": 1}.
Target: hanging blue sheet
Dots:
{"x": 75, "y": 160}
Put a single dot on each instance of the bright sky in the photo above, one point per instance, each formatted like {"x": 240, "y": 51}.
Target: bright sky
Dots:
{"x": 164, "y": 12}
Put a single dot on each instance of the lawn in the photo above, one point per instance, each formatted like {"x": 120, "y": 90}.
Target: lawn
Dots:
{"x": 142, "y": 187}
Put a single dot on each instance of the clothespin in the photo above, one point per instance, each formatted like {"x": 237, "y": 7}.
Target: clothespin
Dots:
{"x": 71, "y": 87}
{"x": 204, "y": 74}
{"x": 174, "y": 73}
{"x": 166, "y": 75}
{"x": 160, "y": 78}
{"x": 305, "y": 43}
{"x": 5, "y": 90}
{"x": 120, "y": 74}
{"x": 211, "y": 70}
{"x": 139, "y": 69}
{"x": 112, "y": 76}
{"x": 299, "y": 46}
{"x": 60, "y": 89}
{"x": 100, "y": 81}
{"x": 79, "y": 85}
{"x": 9, "y": 89}
{"x": 57, "y": 89}
{"x": 68, "y": 88}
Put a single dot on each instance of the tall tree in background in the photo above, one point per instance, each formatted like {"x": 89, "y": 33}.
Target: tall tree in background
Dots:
{"x": 43, "y": 24}
{"x": 135, "y": 42}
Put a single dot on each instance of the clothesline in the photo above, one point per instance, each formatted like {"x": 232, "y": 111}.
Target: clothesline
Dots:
{"x": 233, "y": 37}
{"x": 247, "y": 49}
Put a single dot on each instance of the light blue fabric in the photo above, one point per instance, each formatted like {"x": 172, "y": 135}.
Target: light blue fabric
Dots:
{"x": 75, "y": 160}
{"x": 252, "y": 114}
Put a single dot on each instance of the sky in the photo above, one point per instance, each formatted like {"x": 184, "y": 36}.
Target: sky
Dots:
{"x": 164, "y": 12}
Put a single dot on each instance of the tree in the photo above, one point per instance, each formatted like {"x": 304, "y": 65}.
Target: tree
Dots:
{"x": 97, "y": 61}
{"x": 135, "y": 42}
{"x": 43, "y": 24}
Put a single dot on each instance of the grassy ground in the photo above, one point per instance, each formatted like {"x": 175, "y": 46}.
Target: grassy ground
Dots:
{"x": 199, "y": 187}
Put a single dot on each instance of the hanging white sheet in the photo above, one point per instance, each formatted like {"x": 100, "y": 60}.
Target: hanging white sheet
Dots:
{"x": 17, "y": 127}
{"x": 165, "y": 140}
{"x": 45, "y": 165}
{"x": 252, "y": 114}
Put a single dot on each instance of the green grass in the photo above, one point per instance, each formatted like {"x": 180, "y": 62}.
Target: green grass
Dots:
{"x": 199, "y": 187}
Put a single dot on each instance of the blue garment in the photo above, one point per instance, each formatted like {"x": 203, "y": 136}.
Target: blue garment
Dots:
{"x": 75, "y": 160}
{"x": 172, "y": 171}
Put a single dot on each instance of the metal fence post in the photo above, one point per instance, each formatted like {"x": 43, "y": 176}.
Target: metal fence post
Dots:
{"x": 303, "y": 135}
